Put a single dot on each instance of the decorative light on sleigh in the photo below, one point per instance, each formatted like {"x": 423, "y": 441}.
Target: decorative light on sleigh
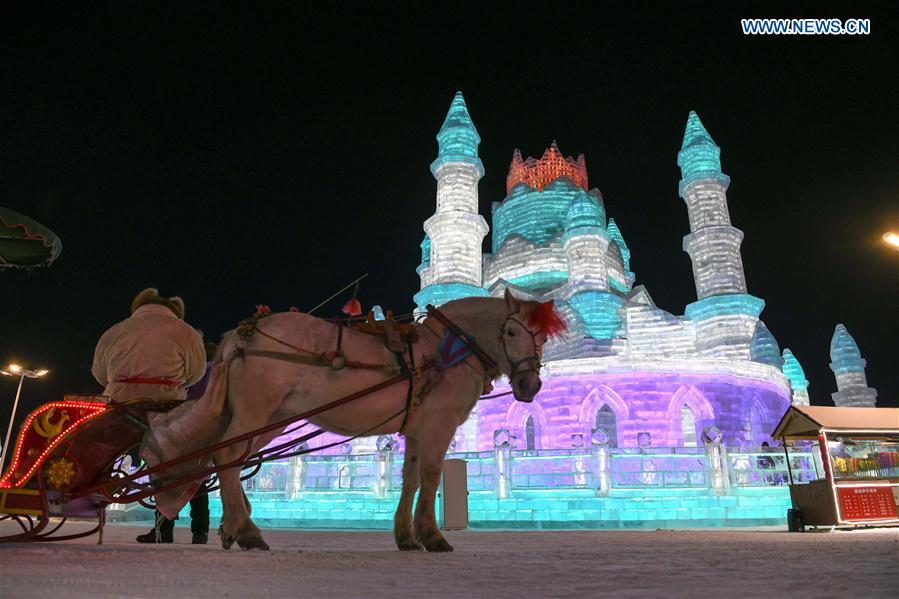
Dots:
{"x": 5, "y": 481}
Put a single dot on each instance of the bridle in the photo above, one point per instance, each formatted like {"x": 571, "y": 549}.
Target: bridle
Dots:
{"x": 534, "y": 359}
{"x": 487, "y": 362}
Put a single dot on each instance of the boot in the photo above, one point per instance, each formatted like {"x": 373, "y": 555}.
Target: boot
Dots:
{"x": 199, "y": 517}
{"x": 166, "y": 530}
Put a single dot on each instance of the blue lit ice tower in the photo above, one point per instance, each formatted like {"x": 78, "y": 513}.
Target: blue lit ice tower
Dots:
{"x": 451, "y": 249}
{"x": 792, "y": 369}
{"x": 724, "y": 313}
{"x": 848, "y": 368}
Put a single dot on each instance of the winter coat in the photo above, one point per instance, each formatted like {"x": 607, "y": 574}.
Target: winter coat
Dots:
{"x": 152, "y": 345}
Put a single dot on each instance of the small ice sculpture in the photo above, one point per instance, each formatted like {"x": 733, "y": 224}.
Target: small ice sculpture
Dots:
{"x": 502, "y": 438}
{"x": 711, "y": 435}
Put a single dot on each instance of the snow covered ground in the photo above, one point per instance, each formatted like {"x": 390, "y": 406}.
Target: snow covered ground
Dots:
{"x": 570, "y": 564}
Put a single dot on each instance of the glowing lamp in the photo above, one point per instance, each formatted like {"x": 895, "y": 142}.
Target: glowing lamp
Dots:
{"x": 892, "y": 239}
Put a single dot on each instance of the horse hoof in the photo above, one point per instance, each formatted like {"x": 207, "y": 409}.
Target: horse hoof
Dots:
{"x": 260, "y": 545}
{"x": 252, "y": 540}
{"x": 409, "y": 546}
{"x": 438, "y": 546}
{"x": 227, "y": 541}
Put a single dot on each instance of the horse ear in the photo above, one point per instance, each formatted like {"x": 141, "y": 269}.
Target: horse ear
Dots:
{"x": 511, "y": 303}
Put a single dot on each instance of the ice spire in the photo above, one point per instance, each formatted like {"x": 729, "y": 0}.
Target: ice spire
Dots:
{"x": 458, "y": 138}
{"x": 848, "y": 368}
{"x": 794, "y": 373}
{"x": 763, "y": 347}
{"x": 725, "y": 314}
{"x": 584, "y": 212}
{"x": 617, "y": 237}
{"x": 451, "y": 250}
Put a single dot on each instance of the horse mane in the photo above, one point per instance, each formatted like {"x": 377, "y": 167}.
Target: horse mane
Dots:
{"x": 545, "y": 317}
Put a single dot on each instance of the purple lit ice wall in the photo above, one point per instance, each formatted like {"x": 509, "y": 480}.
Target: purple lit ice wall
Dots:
{"x": 672, "y": 407}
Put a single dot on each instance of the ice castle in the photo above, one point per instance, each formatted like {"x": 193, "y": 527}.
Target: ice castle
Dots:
{"x": 642, "y": 375}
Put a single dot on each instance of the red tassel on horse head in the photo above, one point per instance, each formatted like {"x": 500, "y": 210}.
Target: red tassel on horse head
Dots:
{"x": 547, "y": 319}
{"x": 352, "y": 307}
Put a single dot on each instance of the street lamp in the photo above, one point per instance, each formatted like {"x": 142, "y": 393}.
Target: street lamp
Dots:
{"x": 22, "y": 373}
{"x": 892, "y": 239}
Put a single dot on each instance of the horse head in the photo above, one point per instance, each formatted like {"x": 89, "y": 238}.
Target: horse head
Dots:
{"x": 525, "y": 329}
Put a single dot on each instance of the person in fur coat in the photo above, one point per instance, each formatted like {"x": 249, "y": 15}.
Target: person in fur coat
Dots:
{"x": 154, "y": 353}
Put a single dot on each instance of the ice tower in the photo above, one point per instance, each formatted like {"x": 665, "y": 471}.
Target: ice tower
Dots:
{"x": 849, "y": 369}
{"x": 724, "y": 313}
{"x": 451, "y": 249}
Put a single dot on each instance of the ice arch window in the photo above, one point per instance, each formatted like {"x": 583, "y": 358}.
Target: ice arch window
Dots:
{"x": 605, "y": 420}
{"x": 530, "y": 434}
{"x": 688, "y": 426}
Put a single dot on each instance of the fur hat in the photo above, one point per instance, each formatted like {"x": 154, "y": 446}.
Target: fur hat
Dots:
{"x": 151, "y": 296}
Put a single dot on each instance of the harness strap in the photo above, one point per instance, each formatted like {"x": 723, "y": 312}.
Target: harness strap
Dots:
{"x": 141, "y": 380}
{"x": 410, "y": 395}
{"x": 339, "y": 336}
{"x": 310, "y": 359}
{"x": 486, "y": 361}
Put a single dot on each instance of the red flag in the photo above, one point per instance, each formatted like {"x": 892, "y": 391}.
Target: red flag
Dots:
{"x": 352, "y": 308}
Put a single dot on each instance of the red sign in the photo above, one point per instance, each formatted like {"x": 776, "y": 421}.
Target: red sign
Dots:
{"x": 867, "y": 503}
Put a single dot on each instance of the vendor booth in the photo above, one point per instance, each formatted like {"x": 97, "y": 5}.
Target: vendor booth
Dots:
{"x": 859, "y": 462}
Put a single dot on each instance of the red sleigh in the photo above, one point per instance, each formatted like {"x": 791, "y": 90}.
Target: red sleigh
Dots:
{"x": 63, "y": 450}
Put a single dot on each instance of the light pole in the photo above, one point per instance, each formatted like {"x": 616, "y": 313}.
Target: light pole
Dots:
{"x": 22, "y": 373}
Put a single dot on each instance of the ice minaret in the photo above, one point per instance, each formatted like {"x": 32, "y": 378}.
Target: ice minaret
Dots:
{"x": 617, "y": 237}
{"x": 724, "y": 313}
{"x": 455, "y": 232}
{"x": 585, "y": 241}
{"x": 849, "y": 369}
{"x": 764, "y": 347}
{"x": 798, "y": 383}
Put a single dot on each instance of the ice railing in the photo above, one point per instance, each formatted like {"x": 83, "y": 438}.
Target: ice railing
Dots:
{"x": 507, "y": 469}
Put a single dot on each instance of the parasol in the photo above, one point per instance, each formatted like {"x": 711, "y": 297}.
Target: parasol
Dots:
{"x": 25, "y": 243}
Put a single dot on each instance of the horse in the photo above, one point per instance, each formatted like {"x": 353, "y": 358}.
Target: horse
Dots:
{"x": 504, "y": 335}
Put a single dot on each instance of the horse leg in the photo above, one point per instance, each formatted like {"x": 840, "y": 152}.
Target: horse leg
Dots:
{"x": 232, "y": 506}
{"x": 403, "y": 532}
{"x": 432, "y": 455}
{"x": 236, "y": 522}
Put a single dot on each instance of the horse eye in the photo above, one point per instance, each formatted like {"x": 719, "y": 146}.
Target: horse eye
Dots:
{"x": 510, "y": 333}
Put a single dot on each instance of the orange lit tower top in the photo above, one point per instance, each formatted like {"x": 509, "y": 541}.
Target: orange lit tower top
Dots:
{"x": 537, "y": 173}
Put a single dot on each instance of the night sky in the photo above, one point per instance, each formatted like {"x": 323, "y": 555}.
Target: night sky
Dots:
{"x": 268, "y": 155}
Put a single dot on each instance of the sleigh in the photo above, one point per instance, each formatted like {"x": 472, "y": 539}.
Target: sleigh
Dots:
{"x": 67, "y": 461}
